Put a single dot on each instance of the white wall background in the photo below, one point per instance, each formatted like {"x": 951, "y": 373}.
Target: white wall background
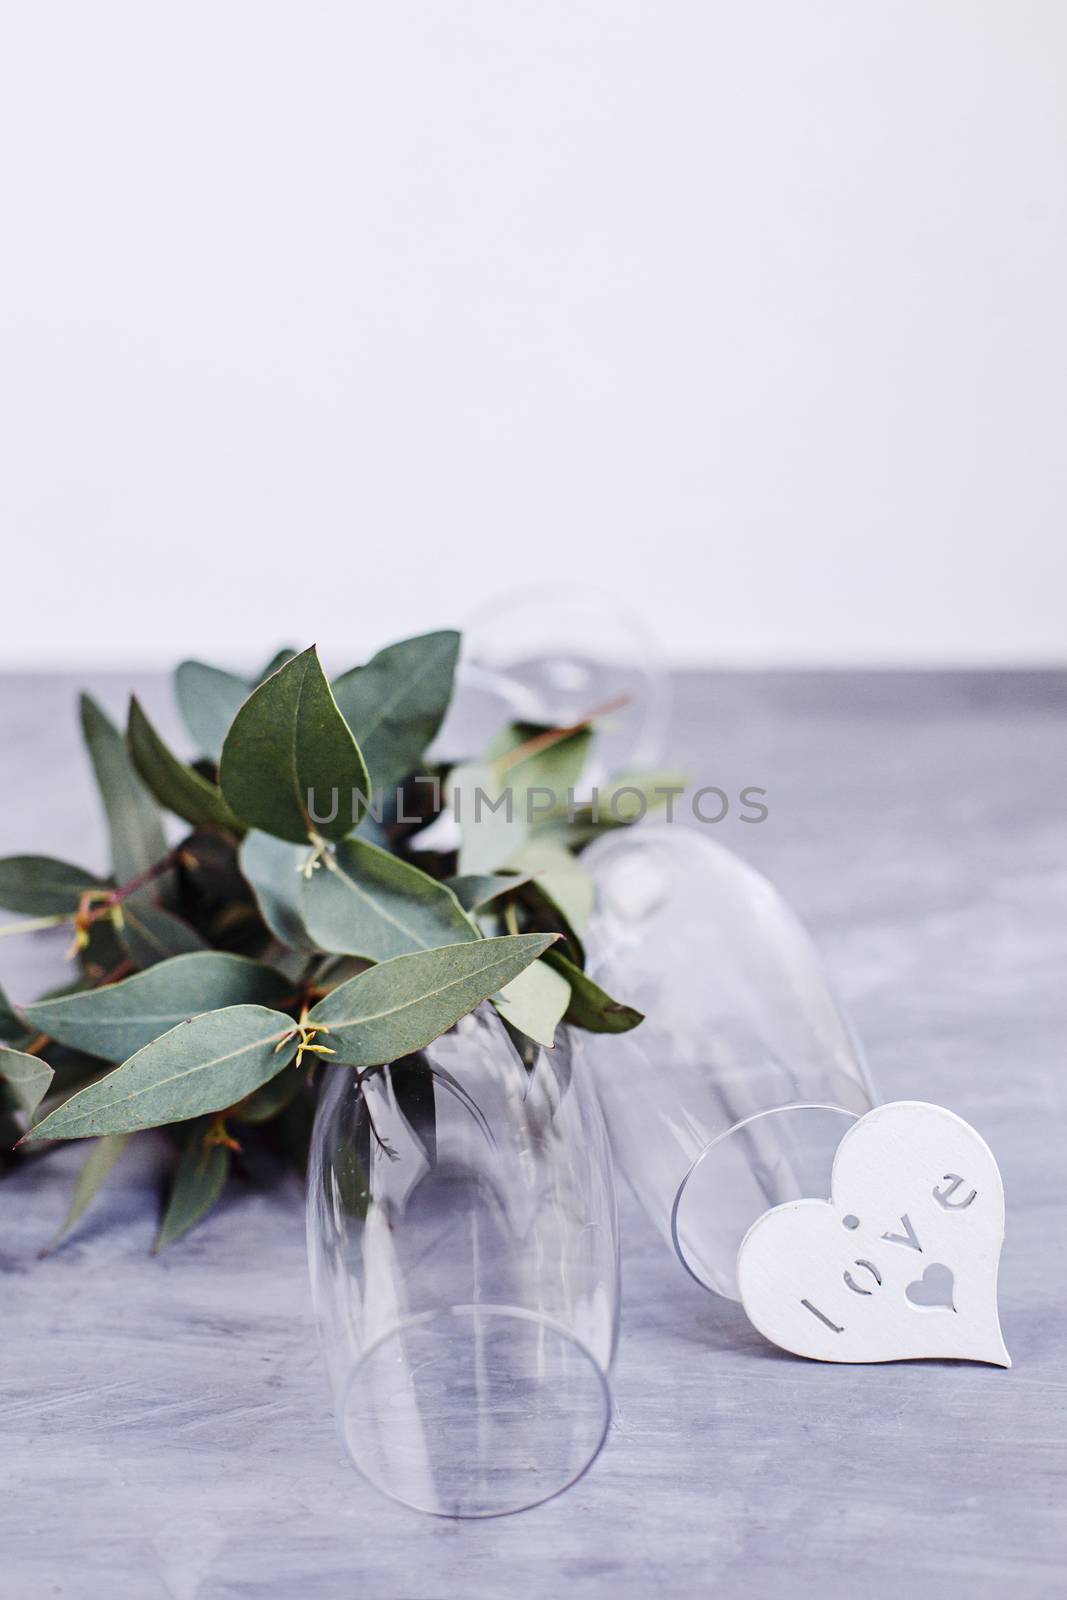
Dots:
{"x": 330, "y": 320}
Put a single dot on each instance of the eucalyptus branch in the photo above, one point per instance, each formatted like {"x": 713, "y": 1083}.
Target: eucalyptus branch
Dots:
{"x": 273, "y": 937}
{"x": 104, "y": 900}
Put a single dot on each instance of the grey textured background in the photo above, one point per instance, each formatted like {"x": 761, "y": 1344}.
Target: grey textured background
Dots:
{"x": 165, "y": 1423}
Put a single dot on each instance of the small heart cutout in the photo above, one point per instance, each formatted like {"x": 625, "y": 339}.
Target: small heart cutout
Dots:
{"x": 914, "y": 1226}
{"x": 933, "y": 1291}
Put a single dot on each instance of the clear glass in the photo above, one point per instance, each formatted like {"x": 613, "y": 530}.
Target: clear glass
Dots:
{"x": 553, "y": 656}
{"x": 733, "y": 1094}
{"x": 463, "y": 1248}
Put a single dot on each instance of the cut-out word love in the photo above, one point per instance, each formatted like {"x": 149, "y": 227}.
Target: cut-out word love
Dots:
{"x": 901, "y": 1262}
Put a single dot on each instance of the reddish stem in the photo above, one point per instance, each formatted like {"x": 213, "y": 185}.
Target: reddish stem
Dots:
{"x": 551, "y": 736}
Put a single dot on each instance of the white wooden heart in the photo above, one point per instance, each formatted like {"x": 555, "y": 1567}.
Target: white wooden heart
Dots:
{"x": 901, "y": 1263}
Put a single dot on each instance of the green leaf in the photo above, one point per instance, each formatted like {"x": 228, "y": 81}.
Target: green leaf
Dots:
{"x": 103, "y": 1155}
{"x": 616, "y": 805}
{"x": 151, "y": 934}
{"x": 288, "y": 741}
{"x": 272, "y": 867}
{"x": 560, "y": 878}
{"x": 490, "y": 816}
{"x": 199, "y": 1180}
{"x": 590, "y": 1007}
{"x": 26, "y": 1078}
{"x": 12, "y": 1028}
{"x": 38, "y": 886}
{"x": 120, "y": 1018}
{"x": 205, "y": 1064}
{"x": 528, "y": 755}
{"x": 208, "y": 700}
{"x": 495, "y": 802}
{"x": 477, "y": 889}
{"x": 399, "y": 1007}
{"x": 273, "y": 1097}
{"x": 71, "y": 1069}
{"x": 176, "y": 786}
{"x": 534, "y": 1002}
{"x": 621, "y": 798}
{"x": 365, "y": 902}
{"x": 134, "y": 824}
{"x": 396, "y": 703}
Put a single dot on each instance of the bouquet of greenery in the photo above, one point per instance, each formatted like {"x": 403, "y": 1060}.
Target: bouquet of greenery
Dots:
{"x": 337, "y": 899}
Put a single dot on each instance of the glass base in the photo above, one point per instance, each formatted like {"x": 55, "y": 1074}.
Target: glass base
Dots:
{"x": 786, "y": 1153}
{"x": 475, "y": 1411}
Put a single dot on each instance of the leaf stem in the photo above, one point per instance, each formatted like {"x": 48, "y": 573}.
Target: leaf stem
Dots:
{"x": 96, "y": 904}
{"x": 173, "y": 858}
{"x": 551, "y": 736}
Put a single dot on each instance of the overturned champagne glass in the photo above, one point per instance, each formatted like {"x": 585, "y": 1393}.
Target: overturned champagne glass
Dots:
{"x": 733, "y": 1094}
{"x": 463, "y": 1248}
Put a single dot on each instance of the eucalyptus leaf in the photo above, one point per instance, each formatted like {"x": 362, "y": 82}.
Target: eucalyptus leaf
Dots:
{"x": 199, "y": 1180}
{"x": 535, "y": 1002}
{"x": 590, "y": 1007}
{"x": 490, "y": 815}
{"x": 272, "y": 867}
{"x": 556, "y": 874}
{"x": 13, "y": 1029}
{"x": 208, "y": 699}
{"x": 336, "y": 970}
{"x": 121, "y": 1018}
{"x": 103, "y": 1154}
{"x": 530, "y": 756}
{"x": 176, "y": 786}
{"x": 290, "y": 743}
{"x": 266, "y": 1102}
{"x": 26, "y": 1079}
{"x": 497, "y": 801}
{"x": 623, "y": 800}
{"x": 202, "y": 1065}
{"x": 151, "y": 934}
{"x": 353, "y": 901}
{"x": 71, "y": 1069}
{"x": 134, "y": 823}
{"x": 478, "y": 889}
{"x": 396, "y": 703}
{"x": 365, "y": 902}
{"x": 39, "y": 886}
{"x": 399, "y": 1007}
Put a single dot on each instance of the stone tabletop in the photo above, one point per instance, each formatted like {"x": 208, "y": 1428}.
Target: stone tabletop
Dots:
{"x": 165, "y": 1425}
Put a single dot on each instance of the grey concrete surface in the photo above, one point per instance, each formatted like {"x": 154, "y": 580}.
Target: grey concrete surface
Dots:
{"x": 165, "y": 1425}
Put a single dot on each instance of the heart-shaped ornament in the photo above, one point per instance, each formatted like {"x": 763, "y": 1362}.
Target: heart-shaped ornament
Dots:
{"x": 901, "y": 1263}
